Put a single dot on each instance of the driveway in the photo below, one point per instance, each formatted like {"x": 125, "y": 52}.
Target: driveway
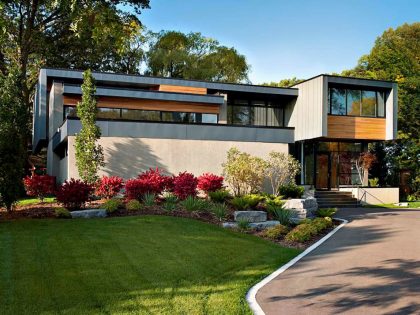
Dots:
{"x": 370, "y": 266}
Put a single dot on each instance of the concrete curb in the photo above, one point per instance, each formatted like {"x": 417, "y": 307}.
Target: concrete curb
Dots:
{"x": 252, "y": 293}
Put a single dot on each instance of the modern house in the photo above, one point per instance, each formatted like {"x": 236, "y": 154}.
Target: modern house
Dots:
{"x": 178, "y": 125}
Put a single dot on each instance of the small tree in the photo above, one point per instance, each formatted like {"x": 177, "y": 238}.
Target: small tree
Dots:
{"x": 281, "y": 169}
{"x": 363, "y": 164}
{"x": 243, "y": 172}
{"x": 89, "y": 154}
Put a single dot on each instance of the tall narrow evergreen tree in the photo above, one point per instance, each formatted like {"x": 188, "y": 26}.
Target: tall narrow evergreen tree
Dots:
{"x": 89, "y": 154}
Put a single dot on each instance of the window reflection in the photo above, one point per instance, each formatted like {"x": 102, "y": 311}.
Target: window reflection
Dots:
{"x": 254, "y": 113}
{"x": 338, "y": 101}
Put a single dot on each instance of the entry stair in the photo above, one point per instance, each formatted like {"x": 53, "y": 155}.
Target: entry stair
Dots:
{"x": 335, "y": 199}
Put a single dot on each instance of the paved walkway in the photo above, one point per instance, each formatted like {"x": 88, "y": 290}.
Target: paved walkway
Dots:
{"x": 371, "y": 266}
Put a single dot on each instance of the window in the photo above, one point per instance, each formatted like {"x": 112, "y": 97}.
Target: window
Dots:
{"x": 353, "y": 102}
{"x": 338, "y": 101}
{"x": 207, "y": 118}
{"x": 138, "y": 114}
{"x": 255, "y": 113}
{"x": 108, "y": 113}
{"x": 368, "y": 103}
{"x": 70, "y": 111}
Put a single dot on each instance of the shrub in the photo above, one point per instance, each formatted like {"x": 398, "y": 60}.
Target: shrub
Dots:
{"x": 272, "y": 200}
{"x": 62, "y": 213}
{"x": 282, "y": 215}
{"x": 275, "y": 232}
{"x": 282, "y": 169}
{"x": 220, "y": 210}
{"x": 151, "y": 181}
{"x": 149, "y": 199}
{"x": 39, "y": 185}
{"x": 243, "y": 172}
{"x": 184, "y": 185}
{"x": 209, "y": 182}
{"x": 239, "y": 203}
{"x": 291, "y": 191}
{"x": 112, "y": 205}
{"x": 326, "y": 212}
{"x": 194, "y": 204}
{"x": 243, "y": 224}
{"x": 219, "y": 195}
{"x": 253, "y": 200}
{"x": 301, "y": 233}
{"x": 74, "y": 193}
{"x": 374, "y": 182}
{"x": 170, "y": 203}
{"x": 133, "y": 205}
{"x": 321, "y": 224}
{"x": 109, "y": 187}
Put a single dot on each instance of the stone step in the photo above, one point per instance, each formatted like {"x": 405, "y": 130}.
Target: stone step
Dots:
{"x": 253, "y": 225}
{"x": 250, "y": 216}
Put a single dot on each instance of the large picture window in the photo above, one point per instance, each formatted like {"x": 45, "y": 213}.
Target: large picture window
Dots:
{"x": 353, "y": 102}
{"x": 255, "y": 113}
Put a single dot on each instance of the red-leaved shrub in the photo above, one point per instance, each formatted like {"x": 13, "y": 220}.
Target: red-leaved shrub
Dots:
{"x": 151, "y": 181}
{"x": 209, "y": 182}
{"x": 39, "y": 185}
{"x": 108, "y": 187}
{"x": 74, "y": 193}
{"x": 184, "y": 185}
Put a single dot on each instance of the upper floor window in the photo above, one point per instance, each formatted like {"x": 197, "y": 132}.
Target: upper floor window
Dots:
{"x": 254, "y": 113}
{"x": 352, "y": 102}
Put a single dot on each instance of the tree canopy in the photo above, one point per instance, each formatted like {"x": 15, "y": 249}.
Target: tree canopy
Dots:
{"x": 284, "y": 82}
{"x": 193, "y": 56}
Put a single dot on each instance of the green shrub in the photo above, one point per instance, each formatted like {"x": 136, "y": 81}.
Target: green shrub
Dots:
{"x": 253, "y": 200}
{"x": 149, "y": 199}
{"x": 243, "y": 224}
{"x": 219, "y": 195}
{"x": 220, "y": 210}
{"x": 374, "y": 182}
{"x": 275, "y": 232}
{"x": 281, "y": 214}
{"x": 321, "y": 224}
{"x": 272, "y": 200}
{"x": 326, "y": 212}
{"x": 112, "y": 205}
{"x": 195, "y": 204}
{"x": 291, "y": 191}
{"x": 62, "y": 213}
{"x": 411, "y": 198}
{"x": 170, "y": 203}
{"x": 301, "y": 233}
{"x": 239, "y": 203}
{"x": 133, "y": 205}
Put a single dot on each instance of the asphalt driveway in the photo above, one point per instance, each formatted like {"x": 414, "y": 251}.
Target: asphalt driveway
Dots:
{"x": 371, "y": 266}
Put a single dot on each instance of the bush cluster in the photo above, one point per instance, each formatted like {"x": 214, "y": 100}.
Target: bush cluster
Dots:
{"x": 308, "y": 229}
{"x": 209, "y": 182}
{"x": 220, "y": 195}
{"x": 74, "y": 193}
{"x": 151, "y": 181}
{"x": 291, "y": 191}
{"x": 112, "y": 205}
{"x": 275, "y": 232}
{"x": 184, "y": 185}
{"x": 133, "y": 205}
{"x": 39, "y": 186}
{"x": 109, "y": 187}
{"x": 326, "y": 212}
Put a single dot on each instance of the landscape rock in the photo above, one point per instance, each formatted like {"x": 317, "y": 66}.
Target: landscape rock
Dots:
{"x": 89, "y": 213}
{"x": 254, "y": 225}
{"x": 250, "y": 216}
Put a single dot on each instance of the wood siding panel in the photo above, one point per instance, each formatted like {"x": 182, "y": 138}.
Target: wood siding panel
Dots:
{"x": 130, "y": 103}
{"x": 182, "y": 89}
{"x": 362, "y": 128}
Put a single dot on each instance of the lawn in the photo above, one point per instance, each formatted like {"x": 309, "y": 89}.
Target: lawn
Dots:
{"x": 32, "y": 201}
{"x": 411, "y": 204}
{"x": 137, "y": 265}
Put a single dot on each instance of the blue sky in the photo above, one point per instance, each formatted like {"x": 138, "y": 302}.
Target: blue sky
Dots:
{"x": 282, "y": 39}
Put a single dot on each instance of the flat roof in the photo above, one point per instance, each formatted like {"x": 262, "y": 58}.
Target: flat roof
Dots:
{"x": 342, "y": 77}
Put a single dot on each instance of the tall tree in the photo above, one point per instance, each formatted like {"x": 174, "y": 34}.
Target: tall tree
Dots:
{"x": 193, "y": 56}
{"x": 13, "y": 130}
{"x": 89, "y": 154}
{"x": 284, "y": 82}
{"x": 396, "y": 56}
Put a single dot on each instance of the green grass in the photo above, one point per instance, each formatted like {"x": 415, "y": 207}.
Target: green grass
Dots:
{"x": 414, "y": 204}
{"x": 31, "y": 201}
{"x": 130, "y": 265}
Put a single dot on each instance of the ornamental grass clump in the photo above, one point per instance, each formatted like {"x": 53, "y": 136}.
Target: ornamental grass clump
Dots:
{"x": 195, "y": 204}
{"x": 133, "y": 205}
{"x": 220, "y": 195}
{"x": 326, "y": 212}
{"x": 275, "y": 232}
{"x": 284, "y": 216}
{"x": 170, "y": 203}
{"x": 220, "y": 210}
{"x": 239, "y": 203}
{"x": 112, "y": 205}
{"x": 243, "y": 224}
{"x": 149, "y": 199}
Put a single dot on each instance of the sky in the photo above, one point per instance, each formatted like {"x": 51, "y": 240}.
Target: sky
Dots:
{"x": 283, "y": 39}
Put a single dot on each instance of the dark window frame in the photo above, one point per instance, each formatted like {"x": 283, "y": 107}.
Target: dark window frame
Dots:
{"x": 231, "y": 103}
{"x": 361, "y": 95}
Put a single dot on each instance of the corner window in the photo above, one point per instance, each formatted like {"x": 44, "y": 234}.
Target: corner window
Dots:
{"x": 338, "y": 101}
{"x": 380, "y": 96}
{"x": 353, "y": 102}
{"x": 368, "y": 107}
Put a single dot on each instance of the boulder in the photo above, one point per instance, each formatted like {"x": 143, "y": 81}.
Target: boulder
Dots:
{"x": 89, "y": 213}
{"x": 254, "y": 225}
{"x": 250, "y": 216}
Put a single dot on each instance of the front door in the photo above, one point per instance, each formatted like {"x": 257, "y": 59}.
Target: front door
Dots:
{"x": 322, "y": 171}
